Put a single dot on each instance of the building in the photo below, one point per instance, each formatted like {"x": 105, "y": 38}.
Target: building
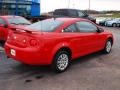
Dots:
{"x": 20, "y": 7}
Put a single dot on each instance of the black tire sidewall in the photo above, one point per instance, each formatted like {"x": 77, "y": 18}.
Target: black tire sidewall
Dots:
{"x": 54, "y": 64}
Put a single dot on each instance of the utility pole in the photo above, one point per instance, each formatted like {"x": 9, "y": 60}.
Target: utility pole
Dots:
{"x": 68, "y": 3}
{"x": 89, "y": 5}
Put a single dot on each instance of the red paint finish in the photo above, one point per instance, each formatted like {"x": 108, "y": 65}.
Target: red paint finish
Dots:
{"x": 6, "y": 26}
{"x": 39, "y": 48}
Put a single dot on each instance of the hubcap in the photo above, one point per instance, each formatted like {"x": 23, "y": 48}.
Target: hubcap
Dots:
{"x": 108, "y": 46}
{"x": 62, "y": 61}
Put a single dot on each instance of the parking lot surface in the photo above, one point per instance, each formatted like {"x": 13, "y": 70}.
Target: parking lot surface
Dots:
{"x": 93, "y": 72}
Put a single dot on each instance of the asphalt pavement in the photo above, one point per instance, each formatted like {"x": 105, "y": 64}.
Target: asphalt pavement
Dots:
{"x": 93, "y": 72}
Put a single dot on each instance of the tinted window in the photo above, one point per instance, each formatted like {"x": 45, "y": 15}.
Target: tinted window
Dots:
{"x": 48, "y": 25}
{"x": 71, "y": 28}
{"x": 73, "y": 13}
{"x": 18, "y": 20}
{"x": 86, "y": 27}
{"x": 61, "y": 12}
{"x": 2, "y": 21}
{"x": 81, "y": 14}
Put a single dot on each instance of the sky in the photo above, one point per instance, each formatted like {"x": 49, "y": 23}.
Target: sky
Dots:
{"x": 100, "y": 5}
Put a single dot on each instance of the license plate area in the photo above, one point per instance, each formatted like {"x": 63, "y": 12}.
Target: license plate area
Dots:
{"x": 13, "y": 52}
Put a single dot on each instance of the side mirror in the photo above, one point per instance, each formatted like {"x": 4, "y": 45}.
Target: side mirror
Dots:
{"x": 100, "y": 30}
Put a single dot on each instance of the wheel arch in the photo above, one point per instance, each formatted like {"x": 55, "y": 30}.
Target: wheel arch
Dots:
{"x": 110, "y": 38}
{"x": 56, "y": 50}
{"x": 65, "y": 48}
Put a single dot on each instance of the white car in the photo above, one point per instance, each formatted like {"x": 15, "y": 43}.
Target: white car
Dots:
{"x": 113, "y": 23}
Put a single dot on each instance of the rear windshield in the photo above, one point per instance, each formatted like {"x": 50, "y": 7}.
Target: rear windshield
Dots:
{"x": 48, "y": 25}
{"x": 18, "y": 21}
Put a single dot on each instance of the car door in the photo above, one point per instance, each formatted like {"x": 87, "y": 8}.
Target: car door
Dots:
{"x": 73, "y": 38}
{"x": 91, "y": 40}
{"x": 3, "y": 31}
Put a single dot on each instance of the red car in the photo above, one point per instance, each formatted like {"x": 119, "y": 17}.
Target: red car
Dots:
{"x": 56, "y": 42}
{"x": 7, "y": 22}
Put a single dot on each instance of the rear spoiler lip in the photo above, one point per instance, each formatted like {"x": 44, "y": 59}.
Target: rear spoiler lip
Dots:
{"x": 24, "y": 29}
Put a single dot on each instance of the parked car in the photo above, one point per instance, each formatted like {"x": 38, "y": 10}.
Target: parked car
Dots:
{"x": 74, "y": 13}
{"x": 102, "y": 22}
{"x": 113, "y": 23}
{"x": 56, "y": 42}
{"x": 99, "y": 19}
{"x": 7, "y": 22}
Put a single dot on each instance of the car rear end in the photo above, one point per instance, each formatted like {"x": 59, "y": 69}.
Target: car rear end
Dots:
{"x": 25, "y": 47}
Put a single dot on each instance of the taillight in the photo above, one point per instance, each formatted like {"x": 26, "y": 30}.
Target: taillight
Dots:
{"x": 33, "y": 42}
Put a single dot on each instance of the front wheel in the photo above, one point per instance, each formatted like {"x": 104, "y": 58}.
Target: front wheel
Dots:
{"x": 108, "y": 47}
{"x": 61, "y": 61}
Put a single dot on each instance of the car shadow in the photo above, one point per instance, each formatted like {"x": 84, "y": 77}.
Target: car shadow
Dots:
{"x": 42, "y": 71}
{"x": 87, "y": 58}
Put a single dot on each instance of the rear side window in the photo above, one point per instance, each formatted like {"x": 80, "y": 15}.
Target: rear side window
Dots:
{"x": 48, "y": 25}
{"x": 2, "y": 21}
{"x": 71, "y": 28}
{"x": 86, "y": 27}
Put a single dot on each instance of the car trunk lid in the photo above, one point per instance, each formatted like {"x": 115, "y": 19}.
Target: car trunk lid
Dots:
{"x": 22, "y": 37}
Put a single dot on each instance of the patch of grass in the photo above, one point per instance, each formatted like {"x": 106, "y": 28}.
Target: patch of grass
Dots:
{"x": 115, "y": 15}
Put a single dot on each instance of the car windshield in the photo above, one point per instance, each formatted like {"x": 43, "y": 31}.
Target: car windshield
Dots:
{"x": 48, "y": 25}
{"x": 18, "y": 21}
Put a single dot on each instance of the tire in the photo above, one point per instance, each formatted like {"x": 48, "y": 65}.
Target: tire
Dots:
{"x": 61, "y": 61}
{"x": 114, "y": 25}
{"x": 118, "y": 24}
{"x": 108, "y": 47}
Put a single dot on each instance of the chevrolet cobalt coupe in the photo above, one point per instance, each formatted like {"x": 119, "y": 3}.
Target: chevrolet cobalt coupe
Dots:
{"x": 56, "y": 42}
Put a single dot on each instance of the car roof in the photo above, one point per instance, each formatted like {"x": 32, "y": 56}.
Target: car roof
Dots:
{"x": 69, "y": 9}
{"x": 9, "y": 16}
{"x": 70, "y": 19}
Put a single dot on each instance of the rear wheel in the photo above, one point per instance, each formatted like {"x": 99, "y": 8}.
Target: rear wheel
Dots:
{"x": 61, "y": 61}
{"x": 114, "y": 25}
{"x": 118, "y": 24}
{"x": 108, "y": 47}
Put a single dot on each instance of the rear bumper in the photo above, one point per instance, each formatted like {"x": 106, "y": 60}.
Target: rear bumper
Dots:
{"x": 29, "y": 56}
